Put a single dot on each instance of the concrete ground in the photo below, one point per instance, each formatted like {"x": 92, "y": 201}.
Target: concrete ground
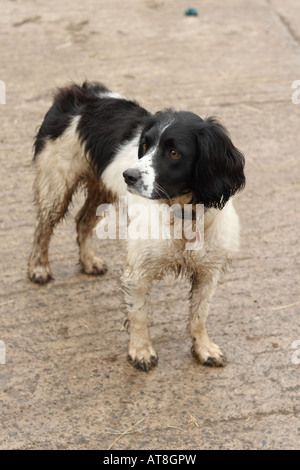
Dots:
{"x": 66, "y": 382}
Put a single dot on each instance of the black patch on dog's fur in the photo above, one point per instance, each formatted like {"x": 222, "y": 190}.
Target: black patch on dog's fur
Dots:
{"x": 105, "y": 123}
{"x": 67, "y": 103}
{"x": 219, "y": 171}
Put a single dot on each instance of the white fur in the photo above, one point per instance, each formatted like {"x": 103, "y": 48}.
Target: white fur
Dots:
{"x": 145, "y": 166}
{"x": 112, "y": 176}
{"x": 61, "y": 162}
{"x": 148, "y": 258}
{"x": 110, "y": 94}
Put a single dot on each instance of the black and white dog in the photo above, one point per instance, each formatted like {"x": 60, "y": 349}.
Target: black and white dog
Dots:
{"x": 97, "y": 139}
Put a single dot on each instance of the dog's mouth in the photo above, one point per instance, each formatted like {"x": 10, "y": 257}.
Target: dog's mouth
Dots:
{"x": 151, "y": 190}
{"x": 140, "y": 190}
{"x": 133, "y": 190}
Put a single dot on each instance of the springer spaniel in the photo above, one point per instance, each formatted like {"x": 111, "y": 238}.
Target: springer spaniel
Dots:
{"x": 113, "y": 147}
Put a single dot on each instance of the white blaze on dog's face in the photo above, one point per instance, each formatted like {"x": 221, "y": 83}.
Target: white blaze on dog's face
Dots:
{"x": 144, "y": 171}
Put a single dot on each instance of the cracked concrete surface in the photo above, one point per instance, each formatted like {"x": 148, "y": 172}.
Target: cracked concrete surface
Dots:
{"x": 66, "y": 382}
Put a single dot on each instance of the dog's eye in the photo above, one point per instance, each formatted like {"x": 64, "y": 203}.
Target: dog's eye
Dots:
{"x": 174, "y": 153}
{"x": 144, "y": 147}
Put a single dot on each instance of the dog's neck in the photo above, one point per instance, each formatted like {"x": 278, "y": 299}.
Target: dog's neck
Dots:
{"x": 185, "y": 209}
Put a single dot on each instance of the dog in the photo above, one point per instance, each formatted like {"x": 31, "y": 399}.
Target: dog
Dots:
{"x": 111, "y": 146}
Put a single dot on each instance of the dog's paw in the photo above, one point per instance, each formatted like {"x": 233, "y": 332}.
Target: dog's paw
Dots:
{"x": 143, "y": 358}
{"x": 94, "y": 267}
{"x": 208, "y": 353}
{"x": 39, "y": 274}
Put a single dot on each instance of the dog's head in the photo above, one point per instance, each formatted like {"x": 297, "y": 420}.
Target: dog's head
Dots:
{"x": 180, "y": 153}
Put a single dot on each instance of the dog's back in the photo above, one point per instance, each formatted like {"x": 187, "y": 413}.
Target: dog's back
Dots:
{"x": 102, "y": 119}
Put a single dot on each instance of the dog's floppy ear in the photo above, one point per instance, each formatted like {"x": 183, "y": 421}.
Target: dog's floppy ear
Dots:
{"x": 219, "y": 171}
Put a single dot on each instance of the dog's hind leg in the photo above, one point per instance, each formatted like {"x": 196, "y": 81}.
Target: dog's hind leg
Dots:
{"x": 85, "y": 221}
{"x": 54, "y": 186}
{"x": 52, "y": 204}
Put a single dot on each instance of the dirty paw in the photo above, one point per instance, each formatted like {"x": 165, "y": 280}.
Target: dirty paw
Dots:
{"x": 94, "y": 267}
{"x": 210, "y": 356}
{"x": 143, "y": 358}
{"x": 39, "y": 274}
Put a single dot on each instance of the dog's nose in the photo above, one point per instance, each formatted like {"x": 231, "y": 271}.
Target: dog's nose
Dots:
{"x": 131, "y": 176}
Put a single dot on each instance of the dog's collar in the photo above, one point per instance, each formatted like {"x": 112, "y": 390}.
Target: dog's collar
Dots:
{"x": 184, "y": 214}
{"x": 181, "y": 213}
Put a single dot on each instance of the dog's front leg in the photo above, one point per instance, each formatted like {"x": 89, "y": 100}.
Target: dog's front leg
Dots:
{"x": 203, "y": 288}
{"x": 136, "y": 289}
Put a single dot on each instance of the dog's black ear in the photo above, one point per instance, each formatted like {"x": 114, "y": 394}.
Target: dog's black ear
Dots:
{"x": 219, "y": 171}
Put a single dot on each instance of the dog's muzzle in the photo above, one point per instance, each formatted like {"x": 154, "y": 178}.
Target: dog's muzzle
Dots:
{"x": 131, "y": 176}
